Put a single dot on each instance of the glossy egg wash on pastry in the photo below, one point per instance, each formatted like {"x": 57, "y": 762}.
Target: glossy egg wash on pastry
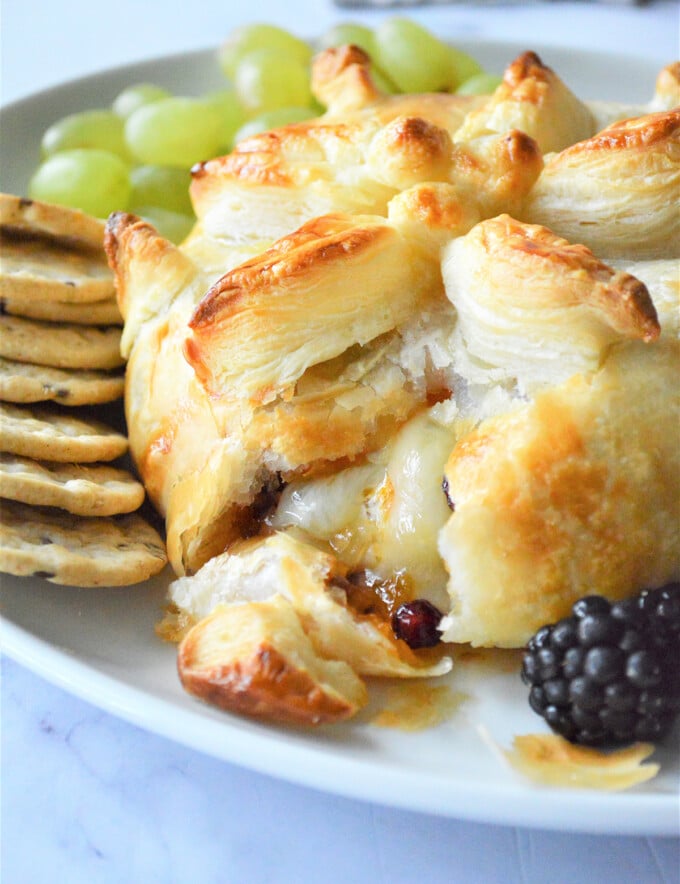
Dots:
{"x": 419, "y": 354}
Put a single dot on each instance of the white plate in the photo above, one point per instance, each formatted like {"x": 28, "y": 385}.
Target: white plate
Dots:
{"x": 100, "y": 643}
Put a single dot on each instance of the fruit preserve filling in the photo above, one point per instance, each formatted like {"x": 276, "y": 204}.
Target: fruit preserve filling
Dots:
{"x": 414, "y": 621}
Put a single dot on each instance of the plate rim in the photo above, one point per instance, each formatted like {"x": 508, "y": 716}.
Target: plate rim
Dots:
{"x": 532, "y": 806}
{"x": 645, "y": 815}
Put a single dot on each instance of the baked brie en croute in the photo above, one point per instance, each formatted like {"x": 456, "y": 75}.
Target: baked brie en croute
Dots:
{"x": 404, "y": 355}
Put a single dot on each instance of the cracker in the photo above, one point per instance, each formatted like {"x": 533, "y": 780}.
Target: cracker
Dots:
{"x": 96, "y": 490}
{"x": 61, "y": 346}
{"x": 46, "y": 433}
{"x": 72, "y": 226}
{"x": 26, "y": 382}
{"x": 104, "y": 312}
{"x": 77, "y": 550}
{"x": 31, "y": 267}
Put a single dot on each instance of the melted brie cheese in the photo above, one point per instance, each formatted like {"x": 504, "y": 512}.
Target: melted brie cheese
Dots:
{"x": 386, "y": 514}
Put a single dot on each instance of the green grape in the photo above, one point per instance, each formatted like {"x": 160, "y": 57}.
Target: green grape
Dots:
{"x": 174, "y": 226}
{"x": 269, "y": 78}
{"x": 174, "y": 132}
{"x": 250, "y": 38}
{"x": 413, "y": 58}
{"x": 282, "y": 116}
{"x": 464, "y": 67}
{"x": 95, "y": 181}
{"x": 100, "y": 129}
{"x": 134, "y": 97}
{"x": 232, "y": 115}
{"x": 348, "y": 32}
{"x": 382, "y": 82}
{"x": 162, "y": 186}
{"x": 480, "y": 84}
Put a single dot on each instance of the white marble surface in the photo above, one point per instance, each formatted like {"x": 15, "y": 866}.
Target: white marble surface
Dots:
{"x": 87, "y": 797}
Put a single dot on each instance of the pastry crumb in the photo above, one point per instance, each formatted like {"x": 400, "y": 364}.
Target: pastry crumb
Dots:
{"x": 551, "y": 760}
{"x": 174, "y": 624}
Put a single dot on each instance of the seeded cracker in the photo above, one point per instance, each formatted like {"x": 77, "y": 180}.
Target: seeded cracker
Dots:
{"x": 48, "y": 270}
{"x": 84, "y": 490}
{"x": 45, "y": 433}
{"x": 78, "y": 551}
{"x": 25, "y": 382}
{"x": 69, "y": 226}
{"x": 51, "y": 253}
{"x": 61, "y": 346}
{"x": 104, "y": 312}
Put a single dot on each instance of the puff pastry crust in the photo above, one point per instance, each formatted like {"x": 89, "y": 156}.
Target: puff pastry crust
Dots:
{"x": 533, "y": 308}
{"x": 334, "y": 283}
{"x": 662, "y": 280}
{"x": 213, "y": 423}
{"x": 535, "y": 100}
{"x": 258, "y": 660}
{"x": 367, "y": 148}
{"x": 618, "y": 191}
{"x": 575, "y": 491}
{"x": 667, "y": 88}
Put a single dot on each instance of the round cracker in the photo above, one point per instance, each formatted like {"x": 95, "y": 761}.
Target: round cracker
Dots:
{"x": 77, "y": 550}
{"x": 45, "y": 433}
{"x": 61, "y": 346}
{"x": 45, "y": 269}
{"x": 96, "y": 313}
{"x": 96, "y": 490}
{"x": 26, "y": 382}
{"x": 46, "y": 219}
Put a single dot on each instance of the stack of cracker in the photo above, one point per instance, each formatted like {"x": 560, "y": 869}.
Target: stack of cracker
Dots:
{"x": 68, "y": 515}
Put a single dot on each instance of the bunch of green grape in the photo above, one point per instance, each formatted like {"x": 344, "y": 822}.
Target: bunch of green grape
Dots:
{"x": 136, "y": 154}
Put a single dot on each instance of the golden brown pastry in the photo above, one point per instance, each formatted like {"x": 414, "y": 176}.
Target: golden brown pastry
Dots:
{"x": 258, "y": 660}
{"x": 364, "y": 150}
{"x": 150, "y": 272}
{"x": 531, "y": 98}
{"x": 213, "y": 426}
{"x": 533, "y": 308}
{"x": 341, "y": 80}
{"x": 273, "y": 183}
{"x": 214, "y": 255}
{"x": 616, "y": 192}
{"x": 430, "y": 214}
{"x": 662, "y": 280}
{"x": 491, "y": 175}
{"x": 334, "y": 283}
{"x": 667, "y": 89}
{"x": 574, "y": 493}
{"x": 171, "y": 428}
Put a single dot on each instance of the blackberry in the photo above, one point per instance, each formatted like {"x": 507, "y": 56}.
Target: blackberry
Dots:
{"x": 609, "y": 674}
